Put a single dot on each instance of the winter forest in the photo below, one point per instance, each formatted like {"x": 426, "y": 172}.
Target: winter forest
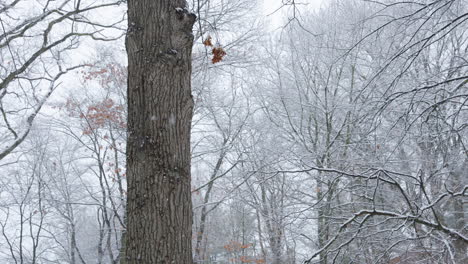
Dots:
{"x": 233, "y": 131}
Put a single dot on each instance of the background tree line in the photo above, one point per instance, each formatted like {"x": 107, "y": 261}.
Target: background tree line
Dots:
{"x": 339, "y": 138}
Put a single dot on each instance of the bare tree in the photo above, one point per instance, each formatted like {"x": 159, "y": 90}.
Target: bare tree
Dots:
{"x": 34, "y": 49}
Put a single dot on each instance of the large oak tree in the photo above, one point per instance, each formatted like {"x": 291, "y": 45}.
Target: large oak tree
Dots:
{"x": 159, "y": 214}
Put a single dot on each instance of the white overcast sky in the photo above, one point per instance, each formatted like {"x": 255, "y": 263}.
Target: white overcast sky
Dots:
{"x": 277, "y": 18}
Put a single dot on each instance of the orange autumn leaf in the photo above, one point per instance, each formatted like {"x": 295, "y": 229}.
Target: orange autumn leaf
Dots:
{"x": 207, "y": 42}
{"x": 218, "y": 54}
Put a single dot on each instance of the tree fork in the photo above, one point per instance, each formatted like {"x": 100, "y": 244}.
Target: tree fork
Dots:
{"x": 160, "y": 105}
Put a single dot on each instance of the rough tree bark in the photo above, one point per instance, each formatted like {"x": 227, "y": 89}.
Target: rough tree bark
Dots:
{"x": 160, "y": 105}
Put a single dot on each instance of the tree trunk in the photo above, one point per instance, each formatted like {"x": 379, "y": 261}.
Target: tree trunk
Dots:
{"x": 199, "y": 252}
{"x": 159, "y": 210}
